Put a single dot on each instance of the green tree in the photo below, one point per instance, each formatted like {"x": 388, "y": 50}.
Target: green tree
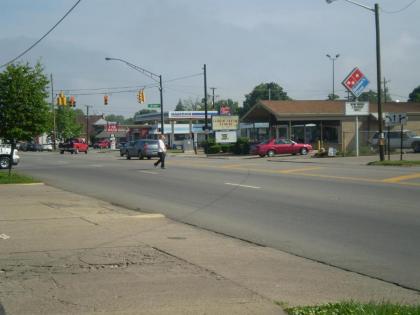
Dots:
{"x": 180, "y": 107}
{"x": 369, "y": 96}
{"x": 415, "y": 95}
{"x": 190, "y": 104}
{"x": 372, "y": 96}
{"x": 115, "y": 118}
{"x": 66, "y": 122}
{"x": 129, "y": 121}
{"x": 332, "y": 97}
{"x": 234, "y": 106}
{"x": 24, "y": 111}
{"x": 264, "y": 91}
{"x": 145, "y": 111}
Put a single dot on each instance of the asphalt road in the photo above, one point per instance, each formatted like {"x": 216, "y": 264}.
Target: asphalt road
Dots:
{"x": 359, "y": 218}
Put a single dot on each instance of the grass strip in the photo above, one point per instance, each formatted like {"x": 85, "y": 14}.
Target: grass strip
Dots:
{"x": 15, "y": 178}
{"x": 354, "y": 308}
{"x": 395, "y": 163}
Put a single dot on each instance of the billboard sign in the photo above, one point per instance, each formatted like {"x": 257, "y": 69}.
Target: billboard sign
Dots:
{"x": 225, "y": 122}
{"x": 111, "y": 127}
{"x": 226, "y": 137}
{"x": 357, "y": 108}
{"x": 356, "y": 82}
{"x": 224, "y": 110}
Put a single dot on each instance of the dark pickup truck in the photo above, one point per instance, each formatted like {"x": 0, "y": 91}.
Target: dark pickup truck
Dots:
{"x": 73, "y": 146}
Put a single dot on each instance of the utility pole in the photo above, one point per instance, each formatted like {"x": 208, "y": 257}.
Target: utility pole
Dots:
{"x": 53, "y": 110}
{"x": 213, "y": 88}
{"x": 378, "y": 79}
{"x": 87, "y": 124}
{"x": 205, "y": 104}
{"x": 385, "y": 89}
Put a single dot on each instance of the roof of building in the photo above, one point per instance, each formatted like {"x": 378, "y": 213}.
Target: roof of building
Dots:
{"x": 281, "y": 109}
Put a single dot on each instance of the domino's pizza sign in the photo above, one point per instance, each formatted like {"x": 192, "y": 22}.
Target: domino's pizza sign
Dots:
{"x": 356, "y": 82}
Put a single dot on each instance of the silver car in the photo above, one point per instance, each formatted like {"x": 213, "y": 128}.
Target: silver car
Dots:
{"x": 409, "y": 140}
{"x": 142, "y": 148}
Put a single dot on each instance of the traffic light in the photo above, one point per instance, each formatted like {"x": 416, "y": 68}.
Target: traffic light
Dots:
{"x": 61, "y": 99}
{"x": 143, "y": 97}
{"x": 105, "y": 99}
{"x": 72, "y": 101}
{"x": 140, "y": 97}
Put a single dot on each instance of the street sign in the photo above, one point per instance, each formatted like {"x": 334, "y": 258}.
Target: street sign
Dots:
{"x": 355, "y": 82}
{"x": 153, "y": 105}
{"x": 392, "y": 119}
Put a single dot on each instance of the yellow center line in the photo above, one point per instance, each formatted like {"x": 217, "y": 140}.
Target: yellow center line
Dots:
{"x": 297, "y": 170}
{"x": 301, "y": 172}
{"x": 401, "y": 178}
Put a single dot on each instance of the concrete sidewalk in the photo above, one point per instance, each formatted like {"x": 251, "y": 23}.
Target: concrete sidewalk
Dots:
{"x": 62, "y": 253}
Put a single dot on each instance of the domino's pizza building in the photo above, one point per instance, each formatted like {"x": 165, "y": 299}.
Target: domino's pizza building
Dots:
{"x": 312, "y": 121}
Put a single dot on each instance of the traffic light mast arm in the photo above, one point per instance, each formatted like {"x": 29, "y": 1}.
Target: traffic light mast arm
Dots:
{"x": 361, "y": 5}
{"x": 152, "y": 75}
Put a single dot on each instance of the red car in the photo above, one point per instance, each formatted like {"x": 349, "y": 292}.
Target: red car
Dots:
{"x": 281, "y": 146}
{"x": 74, "y": 146}
{"x": 102, "y": 144}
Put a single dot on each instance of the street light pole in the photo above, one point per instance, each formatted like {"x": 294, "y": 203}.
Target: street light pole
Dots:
{"x": 205, "y": 104}
{"x": 333, "y": 59}
{"x": 381, "y": 141}
{"x": 154, "y": 77}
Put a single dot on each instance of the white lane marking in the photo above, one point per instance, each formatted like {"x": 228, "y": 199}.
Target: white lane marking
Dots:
{"x": 97, "y": 165}
{"x": 148, "y": 172}
{"x": 245, "y": 186}
{"x": 4, "y": 236}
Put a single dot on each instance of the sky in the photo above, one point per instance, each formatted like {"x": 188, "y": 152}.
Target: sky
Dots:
{"x": 242, "y": 42}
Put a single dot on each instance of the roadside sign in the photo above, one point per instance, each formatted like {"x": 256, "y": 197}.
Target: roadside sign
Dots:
{"x": 153, "y": 105}
{"x": 355, "y": 82}
{"x": 357, "y": 108}
{"x": 392, "y": 119}
{"x": 225, "y": 122}
{"x": 226, "y": 136}
{"x": 224, "y": 110}
{"x": 111, "y": 127}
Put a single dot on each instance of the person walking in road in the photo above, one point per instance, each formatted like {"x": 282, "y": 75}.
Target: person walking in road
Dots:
{"x": 161, "y": 152}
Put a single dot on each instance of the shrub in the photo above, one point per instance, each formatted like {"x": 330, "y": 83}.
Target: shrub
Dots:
{"x": 241, "y": 146}
{"x": 215, "y": 148}
{"x": 226, "y": 148}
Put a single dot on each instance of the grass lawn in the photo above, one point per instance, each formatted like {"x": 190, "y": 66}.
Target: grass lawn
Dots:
{"x": 396, "y": 163}
{"x": 354, "y": 308}
{"x": 15, "y": 178}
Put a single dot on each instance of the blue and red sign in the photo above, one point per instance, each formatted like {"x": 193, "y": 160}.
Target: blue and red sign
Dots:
{"x": 356, "y": 82}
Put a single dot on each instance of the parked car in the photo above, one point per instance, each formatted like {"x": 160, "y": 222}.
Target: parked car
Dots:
{"x": 47, "y": 147}
{"x": 73, "y": 146}
{"x": 31, "y": 146}
{"x": 5, "y": 156}
{"x": 142, "y": 148}
{"x": 123, "y": 147}
{"x": 410, "y": 140}
{"x": 102, "y": 144}
{"x": 274, "y": 146}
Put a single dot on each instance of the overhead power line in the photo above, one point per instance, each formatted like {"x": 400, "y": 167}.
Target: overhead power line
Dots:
{"x": 399, "y": 10}
{"x": 46, "y": 34}
{"x": 125, "y": 89}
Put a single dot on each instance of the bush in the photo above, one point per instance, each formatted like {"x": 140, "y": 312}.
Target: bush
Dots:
{"x": 226, "y": 148}
{"x": 207, "y": 144}
{"x": 241, "y": 146}
{"x": 215, "y": 148}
